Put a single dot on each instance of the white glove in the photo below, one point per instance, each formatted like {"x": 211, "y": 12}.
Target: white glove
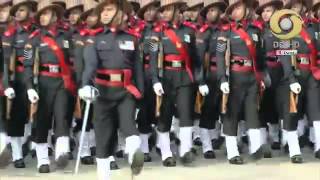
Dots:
{"x": 157, "y": 87}
{"x": 204, "y": 90}
{"x": 32, "y": 96}
{"x": 295, "y": 88}
{"x": 88, "y": 93}
{"x": 224, "y": 87}
{"x": 9, "y": 92}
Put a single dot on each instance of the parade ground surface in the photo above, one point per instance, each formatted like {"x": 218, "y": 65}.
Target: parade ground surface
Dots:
{"x": 277, "y": 168}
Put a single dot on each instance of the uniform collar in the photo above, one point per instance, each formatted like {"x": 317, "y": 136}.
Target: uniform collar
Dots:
{"x": 25, "y": 26}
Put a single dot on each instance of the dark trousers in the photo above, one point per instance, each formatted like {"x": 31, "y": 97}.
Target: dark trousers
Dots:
{"x": 146, "y": 115}
{"x": 2, "y": 114}
{"x": 20, "y": 108}
{"x": 244, "y": 94}
{"x": 309, "y": 103}
{"x": 211, "y": 107}
{"x": 108, "y": 115}
{"x": 182, "y": 97}
{"x": 53, "y": 105}
{"x": 79, "y": 122}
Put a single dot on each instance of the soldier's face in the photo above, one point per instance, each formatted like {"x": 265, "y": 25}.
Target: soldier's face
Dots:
{"x": 4, "y": 14}
{"x": 108, "y": 13}
{"x": 47, "y": 17}
{"x": 267, "y": 13}
{"x": 92, "y": 20}
{"x": 194, "y": 14}
{"x": 297, "y": 7}
{"x": 151, "y": 13}
{"x": 168, "y": 13}
{"x": 22, "y": 13}
{"x": 213, "y": 14}
{"x": 238, "y": 12}
{"x": 74, "y": 15}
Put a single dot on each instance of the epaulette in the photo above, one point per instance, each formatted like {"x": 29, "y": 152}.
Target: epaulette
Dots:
{"x": 190, "y": 25}
{"x": 225, "y": 27}
{"x": 140, "y": 26}
{"x": 133, "y": 33}
{"x": 204, "y": 28}
{"x": 94, "y": 32}
{"x": 34, "y": 33}
{"x": 258, "y": 24}
{"x": 10, "y": 31}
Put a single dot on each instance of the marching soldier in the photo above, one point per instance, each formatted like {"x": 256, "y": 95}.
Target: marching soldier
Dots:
{"x": 242, "y": 80}
{"x": 147, "y": 28}
{"x": 175, "y": 67}
{"x": 207, "y": 45}
{"x": 49, "y": 83}
{"x": 14, "y": 40}
{"x": 276, "y": 102}
{"x": 309, "y": 77}
{"x": 119, "y": 82}
{"x": 133, "y": 18}
{"x": 5, "y": 154}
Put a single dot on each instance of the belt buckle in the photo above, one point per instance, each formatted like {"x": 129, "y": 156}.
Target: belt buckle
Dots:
{"x": 247, "y": 62}
{"x": 176, "y": 64}
{"x": 54, "y": 69}
{"x": 115, "y": 77}
{"x": 304, "y": 60}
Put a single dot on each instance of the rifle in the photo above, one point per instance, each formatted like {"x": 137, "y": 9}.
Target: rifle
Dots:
{"x": 12, "y": 77}
{"x": 160, "y": 69}
{"x": 225, "y": 97}
{"x": 34, "y": 106}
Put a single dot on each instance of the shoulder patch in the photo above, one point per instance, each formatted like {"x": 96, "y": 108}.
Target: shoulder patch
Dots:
{"x": 204, "y": 28}
{"x": 225, "y": 27}
{"x": 221, "y": 38}
{"x": 10, "y": 31}
{"x": 190, "y": 25}
{"x": 133, "y": 33}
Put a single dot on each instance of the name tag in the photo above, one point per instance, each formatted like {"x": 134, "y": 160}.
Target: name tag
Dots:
{"x": 126, "y": 45}
{"x": 66, "y": 44}
{"x": 43, "y": 44}
{"x": 255, "y": 37}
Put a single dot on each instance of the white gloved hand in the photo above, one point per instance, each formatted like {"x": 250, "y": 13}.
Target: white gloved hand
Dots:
{"x": 295, "y": 88}
{"x": 88, "y": 93}
{"x": 9, "y": 92}
{"x": 158, "y": 89}
{"x": 32, "y": 96}
{"x": 224, "y": 87}
{"x": 204, "y": 90}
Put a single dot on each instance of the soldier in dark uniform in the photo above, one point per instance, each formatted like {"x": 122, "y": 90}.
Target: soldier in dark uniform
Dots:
{"x": 244, "y": 76}
{"x": 206, "y": 44}
{"x": 147, "y": 28}
{"x": 5, "y": 154}
{"x": 14, "y": 40}
{"x": 275, "y": 103}
{"x": 309, "y": 77}
{"x": 315, "y": 134}
{"x": 173, "y": 78}
{"x": 113, "y": 65}
{"x": 49, "y": 83}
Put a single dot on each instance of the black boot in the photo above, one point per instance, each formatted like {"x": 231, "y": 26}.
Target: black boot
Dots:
{"x": 217, "y": 143}
{"x": 187, "y": 159}
{"x": 147, "y": 157}
{"x": 258, "y": 154}
{"x": 63, "y": 161}
{"x": 276, "y": 146}
{"x": 93, "y": 151}
{"x": 169, "y": 162}
{"x": 44, "y": 168}
{"x": 236, "y": 160}
{"x": 114, "y": 165}
{"x": 297, "y": 159}
{"x": 317, "y": 154}
{"x": 197, "y": 142}
{"x": 137, "y": 162}
{"x": 19, "y": 164}
{"x": 88, "y": 160}
{"x": 209, "y": 155}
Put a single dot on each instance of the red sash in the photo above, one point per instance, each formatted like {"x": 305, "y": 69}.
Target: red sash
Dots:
{"x": 65, "y": 69}
{"x": 252, "y": 50}
{"x": 313, "y": 55}
{"x": 181, "y": 49}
